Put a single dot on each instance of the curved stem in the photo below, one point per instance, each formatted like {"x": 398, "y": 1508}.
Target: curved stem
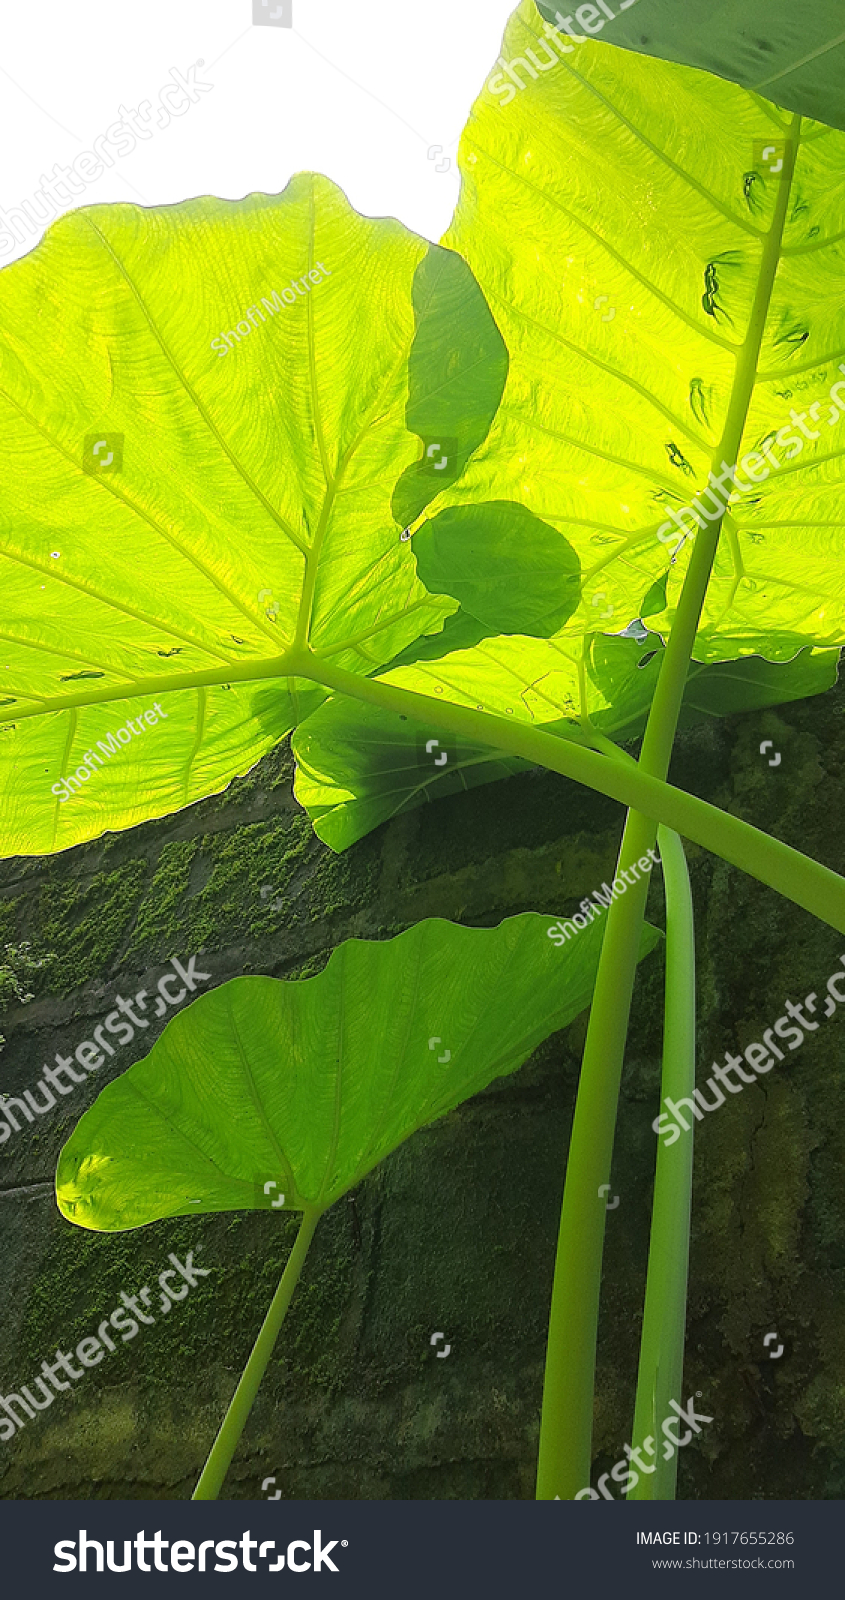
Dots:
{"x": 664, "y": 1316}
{"x": 221, "y": 1453}
{"x": 806, "y": 882}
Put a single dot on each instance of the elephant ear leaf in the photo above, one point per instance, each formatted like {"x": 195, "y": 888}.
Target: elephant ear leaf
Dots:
{"x": 725, "y": 687}
{"x": 265, "y": 1088}
{"x": 207, "y": 409}
{"x": 672, "y": 306}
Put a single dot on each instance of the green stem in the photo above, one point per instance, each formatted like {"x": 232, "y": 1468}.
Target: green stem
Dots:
{"x": 806, "y": 882}
{"x": 563, "y": 1466}
{"x": 664, "y": 1316}
{"x": 221, "y": 1453}
{"x": 566, "y": 1423}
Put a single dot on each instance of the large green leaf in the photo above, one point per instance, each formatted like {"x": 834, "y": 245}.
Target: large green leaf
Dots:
{"x": 712, "y": 689}
{"x": 359, "y": 765}
{"x": 620, "y": 218}
{"x": 305, "y": 1086}
{"x": 792, "y": 54}
{"x": 206, "y": 410}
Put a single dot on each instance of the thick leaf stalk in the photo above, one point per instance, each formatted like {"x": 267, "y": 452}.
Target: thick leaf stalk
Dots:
{"x": 566, "y": 1423}
{"x": 664, "y": 1316}
{"x": 807, "y": 883}
{"x": 233, "y": 1424}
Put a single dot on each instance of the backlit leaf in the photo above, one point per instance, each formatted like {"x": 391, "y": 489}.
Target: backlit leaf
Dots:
{"x": 206, "y": 411}
{"x": 265, "y": 1088}
{"x": 618, "y": 216}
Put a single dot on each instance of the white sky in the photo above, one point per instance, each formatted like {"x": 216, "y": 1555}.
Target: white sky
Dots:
{"x": 357, "y": 89}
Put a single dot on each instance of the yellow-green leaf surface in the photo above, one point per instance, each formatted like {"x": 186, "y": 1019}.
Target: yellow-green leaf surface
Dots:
{"x": 577, "y": 680}
{"x": 206, "y": 410}
{"x": 633, "y": 242}
{"x": 264, "y": 1089}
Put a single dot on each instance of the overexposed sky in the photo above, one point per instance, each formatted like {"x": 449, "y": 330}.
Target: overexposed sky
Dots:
{"x": 361, "y": 90}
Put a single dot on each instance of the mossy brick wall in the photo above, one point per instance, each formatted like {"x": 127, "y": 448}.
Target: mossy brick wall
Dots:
{"x": 456, "y": 1231}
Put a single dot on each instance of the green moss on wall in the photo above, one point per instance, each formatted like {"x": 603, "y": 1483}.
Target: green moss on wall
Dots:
{"x": 160, "y": 916}
{"x": 85, "y": 1274}
{"x": 260, "y": 879}
{"x": 8, "y": 919}
{"x": 270, "y": 856}
{"x": 84, "y": 921}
